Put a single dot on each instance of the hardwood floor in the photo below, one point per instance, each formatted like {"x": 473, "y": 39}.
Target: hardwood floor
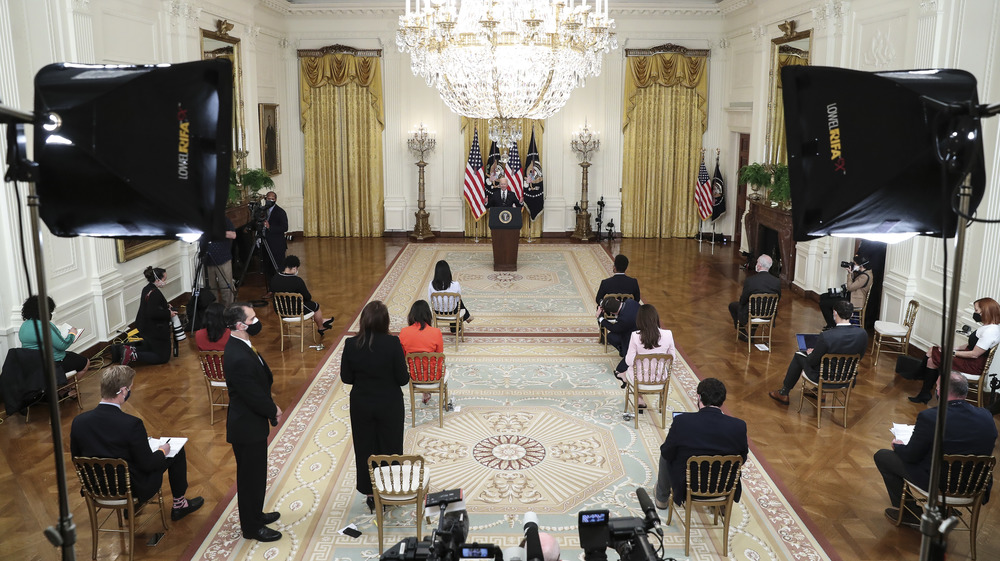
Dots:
{"x": 829, "y": 471}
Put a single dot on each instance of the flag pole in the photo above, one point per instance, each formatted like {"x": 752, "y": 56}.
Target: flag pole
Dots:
{"x": 530, "y": 221}
{"x": 475, "y": 230}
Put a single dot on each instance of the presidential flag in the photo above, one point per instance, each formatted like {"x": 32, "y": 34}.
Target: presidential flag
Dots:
{"x": 533, "y": 189}
{"x": 703, "y": 192}
{"x": 718, "y": 193}
{"x": 513, "y": 172}
{"x": 474, "y": 188}
{"x": 493, "y": 171}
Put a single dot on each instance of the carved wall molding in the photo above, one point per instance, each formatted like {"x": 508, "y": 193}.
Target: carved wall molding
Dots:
{"x": 880, "y": 53}
{"x": 830, "y": 14}
{"x": 759, "y": 32}
{"x": 184, "y": 10}
{"x": 667, "y": 48}
{"x": 729, "y": 6}
{"x": 338, "y": 49}
{"x": 929, "y": 6}
{"x": 81, "y": 5}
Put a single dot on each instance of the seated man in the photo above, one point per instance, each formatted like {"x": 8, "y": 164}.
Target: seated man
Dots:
{"x": 618, "y": 282}
{"x": 289, "y": 281}
{"x": 707, "y": 432}
{"x": 967, "y": 430}
{"x": 108, "y": 432}
{"x": 620, "y": 330}
{"x": 844, "y": 339}
{"x": 763, "y": 282}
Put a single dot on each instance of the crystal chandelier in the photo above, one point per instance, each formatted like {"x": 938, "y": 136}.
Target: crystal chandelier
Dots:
{"x": 506, "y": 59}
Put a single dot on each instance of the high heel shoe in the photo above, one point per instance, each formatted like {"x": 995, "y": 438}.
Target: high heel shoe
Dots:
{"x": 322, "y": 331}
{"x": 920, "y": 398}
{"x": 370, "y": 501}
{"x": 328, "y": 323}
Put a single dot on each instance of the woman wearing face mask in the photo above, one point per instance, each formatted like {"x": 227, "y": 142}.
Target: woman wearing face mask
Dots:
{"x": 152, "y": 321}
{"x": 859, "y": 284}
{"x": 373, "y": 363}
{"x": 970, "y": 359}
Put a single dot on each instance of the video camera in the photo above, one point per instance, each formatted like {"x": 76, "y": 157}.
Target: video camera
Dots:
{"x": 258, "y": 214}
{"x": 628, "y": 536}
{"x": 447, "y": 541}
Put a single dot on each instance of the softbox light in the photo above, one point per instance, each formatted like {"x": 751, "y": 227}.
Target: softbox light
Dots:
{"x": 862, "y": 150}
{"x": 134, "y": 151}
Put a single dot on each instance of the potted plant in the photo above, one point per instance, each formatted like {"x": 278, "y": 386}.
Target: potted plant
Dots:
{"x": 781, "y": 187}
{"x": 255, "y": 180}
{"x": 773, "y": 178}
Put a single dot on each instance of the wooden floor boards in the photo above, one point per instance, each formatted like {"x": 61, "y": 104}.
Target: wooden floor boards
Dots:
{"x": 829, "y": 472}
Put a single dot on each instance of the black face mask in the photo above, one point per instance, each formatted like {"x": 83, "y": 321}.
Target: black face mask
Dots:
{"x": 254, "y": 328}
{"x": 128, "y": 394}
{"x": 269, "y": 203}
{"x": 977, "y": 317}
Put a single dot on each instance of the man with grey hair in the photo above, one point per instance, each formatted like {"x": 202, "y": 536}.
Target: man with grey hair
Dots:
{"x": 762, "y": 282}
{"x": 503, "y": 196}
{"x": 967, "y": 430}
{"x": 108, "y": 432}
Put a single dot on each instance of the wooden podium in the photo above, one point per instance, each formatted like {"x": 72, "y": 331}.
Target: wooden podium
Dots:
{"x": 505, "y": 228}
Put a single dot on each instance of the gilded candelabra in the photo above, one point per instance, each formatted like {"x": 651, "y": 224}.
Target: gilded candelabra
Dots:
{"x": 420, "y": 142}
{"x": 584, "y": 142}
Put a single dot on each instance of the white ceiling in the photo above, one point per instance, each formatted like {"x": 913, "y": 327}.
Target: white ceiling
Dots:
{"x": 614, "y": 3}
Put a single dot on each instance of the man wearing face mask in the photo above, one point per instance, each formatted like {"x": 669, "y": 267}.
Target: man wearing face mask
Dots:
{"x": 251, "y": 408}
{"x": 275, "y": 226}
{"x": 108, "y": 432}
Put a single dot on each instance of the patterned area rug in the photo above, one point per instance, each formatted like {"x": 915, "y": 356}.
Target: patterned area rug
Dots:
{"x": 538, "y": 426}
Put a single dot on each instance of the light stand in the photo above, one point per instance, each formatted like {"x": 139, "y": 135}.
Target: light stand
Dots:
{"x": 63, "y": 534}
{"x": 584, "y": 143}
{"x": 600, "y": 217}
{"x": 420, "y": 142}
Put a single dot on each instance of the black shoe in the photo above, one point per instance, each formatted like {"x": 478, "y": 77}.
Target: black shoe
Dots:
{"x": 193, "y": 505}
{"x": 370, "y": 501}
{"x": 920, "y": 398}
{"x": 328, "y": 323}
{"x": 742, "y": 336}
{"x": 909, "y": 520}
{"x": 270, "y": 517}
{"x": 322, "y": 331}
{"x": 265, "y": 534}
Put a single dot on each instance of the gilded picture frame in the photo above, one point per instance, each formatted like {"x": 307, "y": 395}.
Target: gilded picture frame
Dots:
{"x": 130, "y": 249}
{"x": 270, "y": 138}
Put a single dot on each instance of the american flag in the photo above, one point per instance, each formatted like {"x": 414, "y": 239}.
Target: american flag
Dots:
{"x": 474, "y": 186}
{"x": 513, "y": 172}
{"x": 703, "y": 192}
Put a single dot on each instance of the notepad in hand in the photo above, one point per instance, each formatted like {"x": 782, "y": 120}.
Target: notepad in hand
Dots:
{"x": 176, "y": 443}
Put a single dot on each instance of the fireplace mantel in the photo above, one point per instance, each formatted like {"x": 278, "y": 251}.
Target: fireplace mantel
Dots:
{"x": 764, "y": 215}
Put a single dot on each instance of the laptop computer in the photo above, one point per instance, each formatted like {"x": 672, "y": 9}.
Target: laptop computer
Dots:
{"x": 807, "y": 340}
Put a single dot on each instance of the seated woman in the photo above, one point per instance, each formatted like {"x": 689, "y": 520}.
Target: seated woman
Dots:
{"x": 443, "y": 283}
{"x": 649, "y": 339}
{"x": 859, "y": 284}
{"x": 418, "y": 336}
{"x": 289, "y": 281}
{"x": 153, "y": 321}
{"x": 30, "y": 335}
{"x": 972, "y": 358}
{"x": 215, "y": 334}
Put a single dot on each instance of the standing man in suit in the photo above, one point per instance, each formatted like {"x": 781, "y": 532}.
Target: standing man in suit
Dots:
{"x": 108, "y": 432}
{"x": 707, "y": 432}
{"x": 763, "y": 282}
{"x": 967, "y": 430}
{"x": 618, "y": 282}
{"x": 620, "y": 330}
{"x": 251, "y": 408}
{"x": 503, "y": 196}
{"x": 844, "y": 339}
{"x": 275, "y": 226}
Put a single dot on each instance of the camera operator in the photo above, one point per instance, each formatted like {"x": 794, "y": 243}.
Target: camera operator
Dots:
{"x": 275, "y": 226}
{"x": 859, "y": 284}
{"x": 218, "y": 265}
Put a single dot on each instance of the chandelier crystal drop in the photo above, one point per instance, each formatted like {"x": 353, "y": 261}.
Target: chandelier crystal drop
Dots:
{"x": 506, "y": 59}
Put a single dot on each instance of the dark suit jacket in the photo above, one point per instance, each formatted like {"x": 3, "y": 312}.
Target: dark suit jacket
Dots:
{"x": 624, "y": 324}
{"x": 967, "y": 430}
{"x": 23, "y": 379}
{"x": 760, "y": 283}
{"x": 108, "y": 432}
{"x": 708, "y": 432}
{"x": 275, "y": 234}
{"x": 251, "y": 407}
{"x": 618, "y": 284}
{"x": 495, "y": 199}
{"x": 842, "y": 340}
{"x": 153, "y": 318}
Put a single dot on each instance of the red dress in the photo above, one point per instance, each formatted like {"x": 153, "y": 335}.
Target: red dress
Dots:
{"x": 201, "y": 338}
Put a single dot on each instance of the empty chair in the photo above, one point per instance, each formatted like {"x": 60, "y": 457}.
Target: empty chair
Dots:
{"x": 711, "y": 481}
{"x": 761, "y": 312}
{"x": 292, "y": 312}
{"x": 650, "y": 376}
{"x": 215, "y": 381}
{"x": 106, "y": 486}
{"x": 894, "y": 338}
{"x": 398, "y": 480}
{"x": 837, "y": 374}
{"x": 427, "y": 375}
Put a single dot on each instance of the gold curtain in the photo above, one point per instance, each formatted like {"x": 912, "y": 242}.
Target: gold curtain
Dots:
{"x": 779, "y": 144}
{"x": 481, "y": 227}
{"x": 341, "y": 101}
{"x": 665, "y": 117}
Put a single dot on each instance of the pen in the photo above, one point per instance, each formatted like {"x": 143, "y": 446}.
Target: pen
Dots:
{"x": 167, "y": 442}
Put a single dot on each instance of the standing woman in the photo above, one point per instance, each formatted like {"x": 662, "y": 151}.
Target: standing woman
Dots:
{"x": 152, "y": 321}
{"x": 443, "y": 283}
{"x": 857, "y": 287}
{"x": 30, "y": 335}
{"x": 649, "y": 339}
{"x": 373, "y": 362}
{"x": 972, "y": 358}
{"x": 419, "y": 336}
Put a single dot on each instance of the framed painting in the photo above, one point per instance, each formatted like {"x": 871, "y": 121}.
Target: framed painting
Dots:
{"x": 270, "y": 139}
{"x": 130, "y": 249}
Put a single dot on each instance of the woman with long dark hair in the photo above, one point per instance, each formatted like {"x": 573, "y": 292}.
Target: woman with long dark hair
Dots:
{"x": 215, "y": 334}
{"x": 373, "y": 362}
{"x": 153, "y": 322}
{"x": 30, "y": 335}
{"x": 444, "y": 283}
{"x": 419, "y": 336}
{"x": 972, "y": 358}
{"x": 649, "y": 339}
